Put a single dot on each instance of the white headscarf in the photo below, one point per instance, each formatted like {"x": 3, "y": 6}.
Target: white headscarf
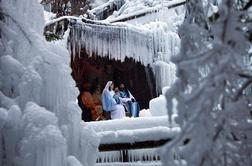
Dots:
{"x": 109, "y": 83}
{"x": 107, "y": 97}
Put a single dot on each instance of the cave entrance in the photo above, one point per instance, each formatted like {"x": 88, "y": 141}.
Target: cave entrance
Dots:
{"x": 98, "y": 70}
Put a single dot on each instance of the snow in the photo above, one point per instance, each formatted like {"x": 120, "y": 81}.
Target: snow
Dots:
{"x": 138, "y": 135}
{"x": 40, "y": 137}
{"x": 72, "y": 161}
{"x": 158, "y": 106}
{"x": 145, "y": 113}
{"x": 40, "y": 123}
{"x": 205, "y": 115}
{"x": 132, "y": 130}
{"x": 172, "y": 17}
{"x": 109, "y": 4}
{"x": 62, "y": 18}
{"x": 129, "y": 123}
{"x": 96, "y": 3}
{"x": 11, "y": 70}
{"x": 138, "y": 7}
{"x": 49, "y": 16}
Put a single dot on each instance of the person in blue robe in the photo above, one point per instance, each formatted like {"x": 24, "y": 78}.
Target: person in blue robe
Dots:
{"x": 109, "y": 104}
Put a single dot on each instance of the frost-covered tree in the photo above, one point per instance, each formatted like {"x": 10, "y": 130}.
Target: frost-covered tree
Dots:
{"x": 214, "y": 72}
{"x": 40, "y": 122}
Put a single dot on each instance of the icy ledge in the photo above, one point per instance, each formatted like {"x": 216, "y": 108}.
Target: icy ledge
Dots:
{"x": 138, "y": 135}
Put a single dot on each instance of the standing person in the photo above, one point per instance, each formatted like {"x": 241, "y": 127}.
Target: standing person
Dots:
{"x": 129, "y": 101}
{"x": 109, "y": 103}
{"x": 117, "y": 96}
{"x": 92, "y": 103}
{"x": 85, "y": 102}
{"x": 96, "y": 94}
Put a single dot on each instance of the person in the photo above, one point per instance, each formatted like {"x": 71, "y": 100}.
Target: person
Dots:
{"x": 82, "y": 101}
{"x": 117, "y": 96}
{"x": 129, "y": 101}
{"x": 87, "y": 100}
{"x": 96, "y": 95}
{"x": 109, "y": 103}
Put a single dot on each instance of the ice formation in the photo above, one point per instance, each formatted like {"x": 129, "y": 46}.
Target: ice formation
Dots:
{"x": 40, "y": 123}
{"x": 152, "y": 44}
{"x": 144, "y": 8}
{"x": 151, "y": 39}
{"x": 130, "y": 131}
{"x": 118, "y": 41}
{"x": 98, "y": 12}
{"x": 164, "y": 74}
{"x": 127, "y": 134}
{"x": 133, "y": 155}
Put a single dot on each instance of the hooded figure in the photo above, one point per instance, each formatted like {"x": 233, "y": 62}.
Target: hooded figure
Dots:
{"x": 109, "y": 103}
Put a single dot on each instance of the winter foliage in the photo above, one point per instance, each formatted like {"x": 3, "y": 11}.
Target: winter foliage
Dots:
{"x": 213, "y": 109}
{"x": 40, "y": 121}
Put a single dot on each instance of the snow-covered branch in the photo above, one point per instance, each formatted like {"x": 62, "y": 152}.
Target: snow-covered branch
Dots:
{"x": 210, "y": 73}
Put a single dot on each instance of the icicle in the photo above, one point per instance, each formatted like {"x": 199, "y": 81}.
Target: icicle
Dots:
{"x": 118, "y": 42}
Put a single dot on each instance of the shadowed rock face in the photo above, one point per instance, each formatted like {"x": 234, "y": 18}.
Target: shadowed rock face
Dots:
{"x": 98, "y": 70}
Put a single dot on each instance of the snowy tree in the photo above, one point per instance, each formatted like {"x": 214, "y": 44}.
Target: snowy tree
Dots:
{"x": 213, "y": 71}
{"x": 40, "y": 122}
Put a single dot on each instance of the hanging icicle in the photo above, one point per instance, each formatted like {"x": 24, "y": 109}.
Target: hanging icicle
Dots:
{"x": 133, "y": 156}
{"x": 122, "y": 40}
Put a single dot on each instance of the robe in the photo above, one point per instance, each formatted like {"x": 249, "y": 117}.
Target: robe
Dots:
{"x": 109, "y": 104}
